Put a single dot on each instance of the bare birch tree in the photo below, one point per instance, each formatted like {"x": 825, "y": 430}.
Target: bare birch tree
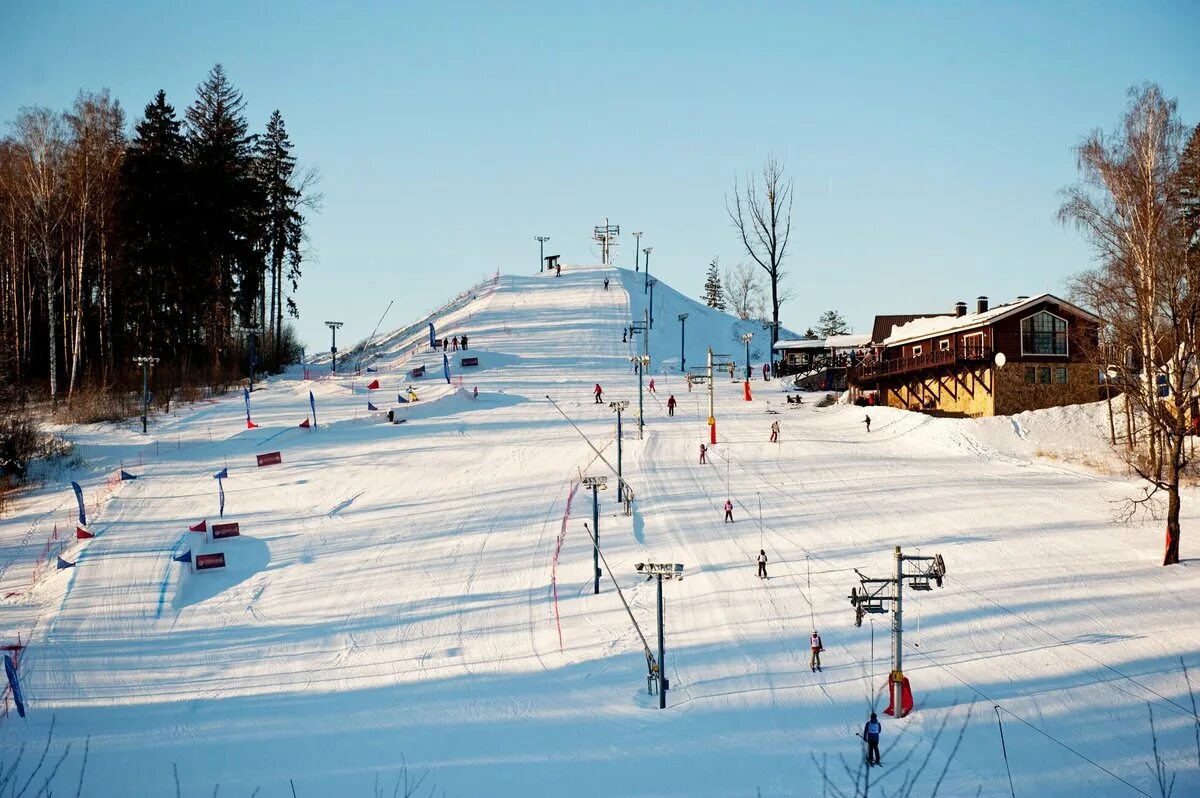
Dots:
{"x": 1145, "y": 287}
{"x": 743, "y": 292}
{"x": 762, "y": 214}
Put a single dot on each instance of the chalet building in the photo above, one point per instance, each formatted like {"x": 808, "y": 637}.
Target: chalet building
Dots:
{"x": 820, "y": 364}
{"x": 1024, "y": 355}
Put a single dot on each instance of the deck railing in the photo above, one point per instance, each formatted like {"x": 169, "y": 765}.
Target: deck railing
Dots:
{"x": 927, "y": 360}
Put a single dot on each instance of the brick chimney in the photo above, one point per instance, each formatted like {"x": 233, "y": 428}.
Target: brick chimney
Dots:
{"x": 960, "y": 308}
{"x": 981, "y": 304}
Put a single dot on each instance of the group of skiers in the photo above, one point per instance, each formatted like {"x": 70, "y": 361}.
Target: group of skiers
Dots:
{"x": 453, "y": 344}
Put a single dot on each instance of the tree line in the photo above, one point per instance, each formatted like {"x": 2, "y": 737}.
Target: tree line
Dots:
{"x": 173, "y": 240}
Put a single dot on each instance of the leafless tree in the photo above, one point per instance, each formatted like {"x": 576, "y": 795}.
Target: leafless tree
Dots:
{"x": 1145, "y": 286}
{"x": 762, "y": 214}
{"x": 743, "y": 292}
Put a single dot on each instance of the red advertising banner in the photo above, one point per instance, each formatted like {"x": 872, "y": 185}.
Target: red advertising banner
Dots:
{"x": 270, "y": 458}
{"x": 207, "y": 562}
{"x": 225, "y": 531}
{"x": 470, "y": 361}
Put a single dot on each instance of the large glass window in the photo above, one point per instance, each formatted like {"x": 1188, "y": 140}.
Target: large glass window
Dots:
{"x": 1044, "y": 334}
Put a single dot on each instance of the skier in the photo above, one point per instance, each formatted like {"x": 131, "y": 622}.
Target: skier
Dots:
{"x": 464, "y": 343}
{"x": 867, "y": 421}
{"x": 558, "y": 270}
{"x": 651, "y": 388}
{"x": 605, "y": 283}
{"x": 762, "y": 564}
{"x": 766, "y": 372}
{"x": 624, "y": 336}
{"x": 454, "y": 344}
{"x": 731, "y": 370}
{"x": 871, "y": 735}
{"x": 671, "y": 405}
{"x": 703, "y": 454}
{"x": 774, "y": 432}
{"x": 599, "y": 394}
{"x": 814, "y": 661}
{"x": 475, "y": 392}
{"x": 728, "y": 511}
{"x": 445, "y": 344}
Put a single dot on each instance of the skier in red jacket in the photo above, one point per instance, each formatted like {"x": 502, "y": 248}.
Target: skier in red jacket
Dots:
{"x": 598, "y": 392}
{"x": 671, "y": 405}
{"x": 728, "y": 511}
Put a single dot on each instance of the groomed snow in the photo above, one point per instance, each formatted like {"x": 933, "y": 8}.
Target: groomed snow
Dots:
{"x": 390, "y": 598}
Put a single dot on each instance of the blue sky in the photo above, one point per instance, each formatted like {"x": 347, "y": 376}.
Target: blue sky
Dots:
{"x": 928, "y": 142}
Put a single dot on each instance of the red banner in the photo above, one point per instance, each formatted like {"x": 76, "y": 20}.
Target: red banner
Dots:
{"x": 470, "y": 361}
{"x": 225, "y": 531}
{"x": 207, "y": 562}
{"x": 270, "y": 458}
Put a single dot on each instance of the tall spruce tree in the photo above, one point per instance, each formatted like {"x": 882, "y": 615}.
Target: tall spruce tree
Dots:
{"x": 284, "y": 225}
{"x": 714, "y": 295}
{"x": 229, "y": 205}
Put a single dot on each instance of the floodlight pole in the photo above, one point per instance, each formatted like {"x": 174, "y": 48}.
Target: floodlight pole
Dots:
{"x": 596, "y": 537}
{"x": 642, "y": 373}
{"x": 619, "y": 407}
{"x": 333, "y": 328}
{"x": 652, "y": 284}
{"x": 541, "y": 250}
{"x": 646, "y": 278}
{"x": 637, "y": 243}
{"x": 712, "y": 419}
{"x": 746, "y": 340}
{"x": 897, "y": 675}
{"x": 145, "y": 363}
{"x": 662, "y": 651}
{"x": 682, "y": 350}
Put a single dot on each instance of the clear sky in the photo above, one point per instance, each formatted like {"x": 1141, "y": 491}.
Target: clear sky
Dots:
{"x": 928, "y": 141}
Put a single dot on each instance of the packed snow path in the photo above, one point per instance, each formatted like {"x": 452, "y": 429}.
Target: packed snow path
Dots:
{"x": 390, "y": 597}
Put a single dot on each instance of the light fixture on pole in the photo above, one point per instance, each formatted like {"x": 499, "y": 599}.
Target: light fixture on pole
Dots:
{"x": 682, "y": 350}
{"x": 333, "y": 328}
{"x": 659, "y": 572}
{"x": 597, "y": 484}
{"x": 619, "y": 408}
{"x": 146, "y": 363}
{"x": 541, "y": 250}
{"x": 746, "y": 340}
{"x": 646, "y": 278}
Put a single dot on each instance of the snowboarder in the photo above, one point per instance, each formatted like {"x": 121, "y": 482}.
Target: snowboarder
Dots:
{"x": 651, "y": 387}
{"x": 728, "y": 511}
{"x": 605, "y": 283}
{"x": 871, "y": 735}
{"x": 599, "y": 394}
{"x": 867, "y": 421}
{"x": 814, "y": 643}
{"x": 703, "y": 454}
{"x": 464, "y": 343}
{"x": 774, "y": 432}
{"x": 454, "y": 344}
{"x": 412, "y": 394}
{"x": 558, "y": 270}
{"x": 762, "y": 564}
{"x": 671, "y": 405}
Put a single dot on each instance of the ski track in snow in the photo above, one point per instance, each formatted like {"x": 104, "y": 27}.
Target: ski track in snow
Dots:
{"x": 390, "y": 600}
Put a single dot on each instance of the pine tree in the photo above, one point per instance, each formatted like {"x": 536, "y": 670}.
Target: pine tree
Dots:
{"x": 810, "y": 334}
{"x": 284, "y": 224}
{"x": 714, "y": 294}
{"x": 831, "y": 323}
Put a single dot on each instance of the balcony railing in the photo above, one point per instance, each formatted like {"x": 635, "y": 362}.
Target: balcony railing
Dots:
{"x": 866, "y": 372}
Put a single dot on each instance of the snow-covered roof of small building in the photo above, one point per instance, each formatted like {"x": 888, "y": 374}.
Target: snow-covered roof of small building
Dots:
{"x": 931, "y": 326}
{"x": 801, "y": 343}
{"x": 847, "y": 341}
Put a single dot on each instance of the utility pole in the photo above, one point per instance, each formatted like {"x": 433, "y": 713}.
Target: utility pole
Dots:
{"x": 652, "y": 284}
{"x": 605, "y": 234}
{"x": 145, "y": 363}
{"x": 712, "y": 419}
{"x": 659, "y": 572}
{"x": 870, "y": 596}
{"x": 597, "y": 484}
{"x": 333, "y": 328}
{"x": 541, "y": 250}
{"x": 637, "y": 237}
{"x": 682, "y": 338}
{"x": 619, "y": 407}
{"x": 643, "y": 362}
{"x": 746, "y": 340}
{"x": 646, "y": 278}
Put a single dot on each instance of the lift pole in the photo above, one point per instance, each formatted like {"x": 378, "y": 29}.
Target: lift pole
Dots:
{"x": 712, "y": 419}
{"x": 897, "y": 676}
{"x": 619, "y": 407}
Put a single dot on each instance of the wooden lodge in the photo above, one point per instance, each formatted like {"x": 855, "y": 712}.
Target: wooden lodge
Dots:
{"x": 1023, "y": 355}
{"x": 819, "y": 364}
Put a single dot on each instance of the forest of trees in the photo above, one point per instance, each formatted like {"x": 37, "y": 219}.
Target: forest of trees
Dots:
{"x": 173, "y": 239}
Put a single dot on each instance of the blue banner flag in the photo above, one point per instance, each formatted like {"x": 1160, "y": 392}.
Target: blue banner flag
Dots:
{"x": 185, "y": 557}
{"x": 371, "y": 406}
{"x": 312, "y": 402}
{"x": 446, "y": 366}
{"x": 11, "y": 669}
{"x": 246, "y": 393}
{"x": 221, "y": 494}
{"x": 432, "y": 338}
{"x": 79, "y": 498}
{"x": 64, "y": 564}
{"x": 371, "y": 370}
{"x": 222, "y": 474}
{"x": 125, "y": 475}
{"x": 401, "y": 400}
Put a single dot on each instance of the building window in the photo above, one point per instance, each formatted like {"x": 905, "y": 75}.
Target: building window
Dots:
{"x": 917, "y": 350}
{"x": 1060, "y": 375}
{"x": 1030, "y": 375}
{"x": 1043, "y": 334}
{"x": 1044, "y": 375}
{"x": 944, "y": 345}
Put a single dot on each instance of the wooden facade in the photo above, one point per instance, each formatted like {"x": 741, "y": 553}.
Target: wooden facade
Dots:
{"x": 1026, "y": 355}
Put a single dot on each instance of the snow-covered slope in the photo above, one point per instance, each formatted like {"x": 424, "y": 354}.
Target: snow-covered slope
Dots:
{"x": 422, "y": 592}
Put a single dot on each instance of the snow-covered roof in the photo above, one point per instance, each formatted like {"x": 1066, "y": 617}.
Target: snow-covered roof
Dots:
{"x": 802, "y": 343}
{"x": 832, "y": 342}
{"x": 919, "y": 329}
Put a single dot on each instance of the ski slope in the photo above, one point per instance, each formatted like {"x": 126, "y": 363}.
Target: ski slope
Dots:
{"x": 391, "y": 599}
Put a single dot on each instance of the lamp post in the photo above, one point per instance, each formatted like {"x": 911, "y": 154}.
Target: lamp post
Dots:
{"x": 746, "y": 340}
{"x": 643, "y": 362}
{"x": 637, "y": 243}
{"x": 145, "y": 363}
{"x": 646, "y": 278}
{"x": 541, "y": 250}
{"x": 652, "y": 284}
{"x": 597, "y": 484}
{"x": 659, "y": 572}
{"x": 333, "y": 328}
{"x": 682, "y": 354}
{"x": 618, "y": 408}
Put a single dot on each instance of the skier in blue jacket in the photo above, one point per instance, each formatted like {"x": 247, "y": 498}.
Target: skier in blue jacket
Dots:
{"x": 871, "y": 735}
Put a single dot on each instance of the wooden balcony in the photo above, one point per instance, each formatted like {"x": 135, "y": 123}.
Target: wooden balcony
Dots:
{"x": 868, "y": 372}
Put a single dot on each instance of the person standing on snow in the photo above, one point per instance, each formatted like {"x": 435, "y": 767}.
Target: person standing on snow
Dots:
{"x": 871, "y": 735}
{"x": 599, "y": 394}
{"x": 766, "y": 372}
{"x": 605, "y": 283}
{"x": 731, "y": 370}
{"x": 774, "y": 432}
{"x": 867, "y": 421}
{"x": 558, "y": 270}
{"x": 762, "y": 564}
{"x": 651, "y": 387}
{"x": 464, "y": 343}
{"x": 671, "y": 405}
{"x": 814, "y": 661}
{"x": 703, "y": 454}
{"x": 728, "y": 511}
{"x": 454, "y": 344}
{"x": 624, "y": 336}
